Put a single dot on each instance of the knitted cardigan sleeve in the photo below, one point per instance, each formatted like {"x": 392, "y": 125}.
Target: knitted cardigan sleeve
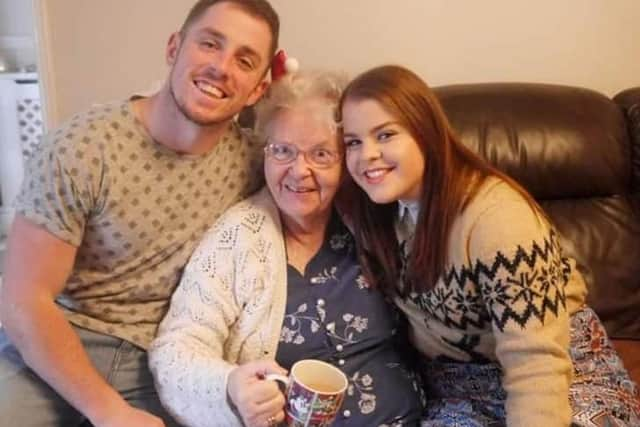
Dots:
{"x": 187, "y": 358}
{"x": 522, "y": 277}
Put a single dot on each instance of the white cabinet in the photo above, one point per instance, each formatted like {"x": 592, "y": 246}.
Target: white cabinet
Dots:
{"x": 21, "y": 127}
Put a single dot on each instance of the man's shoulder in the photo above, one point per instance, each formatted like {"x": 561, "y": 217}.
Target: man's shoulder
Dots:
{"x": 246, "y": 136}
{"x": 99, "y": 114}
{"x": 97, "y": 121}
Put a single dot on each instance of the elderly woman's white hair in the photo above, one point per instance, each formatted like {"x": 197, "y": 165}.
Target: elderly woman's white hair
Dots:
{"x": 320, "y": 90}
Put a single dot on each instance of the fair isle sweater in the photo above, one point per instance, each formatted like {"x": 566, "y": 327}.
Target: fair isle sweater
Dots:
{"x": 506, "y": 296}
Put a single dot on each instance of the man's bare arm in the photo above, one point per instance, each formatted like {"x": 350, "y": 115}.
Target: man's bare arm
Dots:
{"x": 36, "y": 269}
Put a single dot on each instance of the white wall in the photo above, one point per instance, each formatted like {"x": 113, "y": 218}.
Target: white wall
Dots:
{"x": 98, "y": 51}
{"x": 591, "y": 43}
{"x": 101, "y": 50}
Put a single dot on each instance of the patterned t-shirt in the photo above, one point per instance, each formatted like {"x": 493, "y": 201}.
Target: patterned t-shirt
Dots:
{"x": 134, "y": 209}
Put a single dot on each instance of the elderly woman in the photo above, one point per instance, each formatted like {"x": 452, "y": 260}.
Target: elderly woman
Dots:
{"x": 276, "y": 280}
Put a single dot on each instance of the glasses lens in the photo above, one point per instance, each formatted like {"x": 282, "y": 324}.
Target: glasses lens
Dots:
{"x": 282, "y": 152}
{"x": 322, "y": 157}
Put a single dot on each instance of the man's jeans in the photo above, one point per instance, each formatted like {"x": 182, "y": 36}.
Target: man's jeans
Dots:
{"x": 27, "y": 401}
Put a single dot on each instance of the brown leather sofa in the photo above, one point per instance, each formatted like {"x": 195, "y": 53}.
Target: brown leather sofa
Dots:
{"x": 578, "y": 153}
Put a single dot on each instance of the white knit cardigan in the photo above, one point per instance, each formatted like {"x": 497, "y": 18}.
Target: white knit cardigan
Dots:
{"x": 227, "y": 310}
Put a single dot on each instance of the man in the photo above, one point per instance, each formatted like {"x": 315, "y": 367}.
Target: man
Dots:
{"x": 111, "y": 208}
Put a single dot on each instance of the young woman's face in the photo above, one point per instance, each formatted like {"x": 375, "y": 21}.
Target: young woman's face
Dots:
{"x": 382, "y": 156}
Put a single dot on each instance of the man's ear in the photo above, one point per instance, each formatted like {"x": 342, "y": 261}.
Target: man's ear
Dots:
{"x": 257, "y": 92}
{"x": 173, "y": 47}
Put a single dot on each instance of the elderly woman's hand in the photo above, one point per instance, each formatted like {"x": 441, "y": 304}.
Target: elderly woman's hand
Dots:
{"x": 260, "y": 402}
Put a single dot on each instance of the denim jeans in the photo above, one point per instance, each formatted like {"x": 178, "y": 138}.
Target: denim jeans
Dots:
{"x": 27, "y": 401}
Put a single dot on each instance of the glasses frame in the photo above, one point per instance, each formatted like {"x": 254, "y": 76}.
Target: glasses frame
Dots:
{"x": 337, "y": 156}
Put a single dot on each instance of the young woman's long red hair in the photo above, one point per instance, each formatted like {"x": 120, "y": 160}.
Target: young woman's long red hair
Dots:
{"x": 453, "y": 174}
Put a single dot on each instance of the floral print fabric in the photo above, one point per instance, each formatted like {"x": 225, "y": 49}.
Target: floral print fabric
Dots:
{"x": 333, "y": 315}
{"x": 602, "y": 393}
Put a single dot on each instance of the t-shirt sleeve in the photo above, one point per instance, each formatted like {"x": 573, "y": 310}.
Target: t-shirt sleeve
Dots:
{"x": 60, "y": 185}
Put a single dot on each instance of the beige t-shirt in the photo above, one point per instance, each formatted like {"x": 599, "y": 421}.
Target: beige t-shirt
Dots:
{"x": 134, "y": 209}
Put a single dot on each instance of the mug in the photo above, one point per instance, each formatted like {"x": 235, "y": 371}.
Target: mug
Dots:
{"x": 314, "y": 393}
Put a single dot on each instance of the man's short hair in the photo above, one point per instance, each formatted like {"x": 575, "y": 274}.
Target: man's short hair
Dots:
{"x": 260, "y": 9}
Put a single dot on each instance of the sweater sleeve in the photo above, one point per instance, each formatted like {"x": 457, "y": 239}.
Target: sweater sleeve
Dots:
{"x": 186, "y": 358}
{"x": 522, "y": 277}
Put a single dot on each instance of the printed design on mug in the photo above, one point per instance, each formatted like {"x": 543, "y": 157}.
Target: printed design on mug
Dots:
{"x": 309, "y": 409}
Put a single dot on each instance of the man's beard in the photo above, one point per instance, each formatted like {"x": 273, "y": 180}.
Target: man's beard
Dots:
{"x": 205, "y": 122}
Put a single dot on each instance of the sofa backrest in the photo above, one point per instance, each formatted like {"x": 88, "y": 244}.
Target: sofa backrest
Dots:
{"x": 629, "y": 101}
{"x": 572, "y": 148}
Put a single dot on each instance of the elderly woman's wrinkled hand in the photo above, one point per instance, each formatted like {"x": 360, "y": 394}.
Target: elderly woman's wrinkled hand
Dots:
{"x": 260, "y": 402}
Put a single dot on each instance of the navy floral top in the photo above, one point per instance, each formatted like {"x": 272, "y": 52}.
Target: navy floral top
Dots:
{"x": 333, "y": 315}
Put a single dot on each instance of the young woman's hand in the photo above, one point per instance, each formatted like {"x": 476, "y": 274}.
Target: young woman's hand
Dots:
{"x": 260, "y": 402}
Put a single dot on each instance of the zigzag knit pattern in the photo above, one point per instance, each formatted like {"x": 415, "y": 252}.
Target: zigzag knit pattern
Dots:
{"x": 505, "y": 298}
{"x": 529, "y": 284}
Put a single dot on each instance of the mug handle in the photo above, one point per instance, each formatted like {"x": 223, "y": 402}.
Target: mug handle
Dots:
{"x": 277, "y": 377}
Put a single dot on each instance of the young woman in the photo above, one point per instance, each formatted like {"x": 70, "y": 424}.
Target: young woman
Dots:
{"x": 495, "y": 308}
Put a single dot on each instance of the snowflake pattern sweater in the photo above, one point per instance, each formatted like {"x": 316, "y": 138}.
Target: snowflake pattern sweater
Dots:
{"x": 506, "y": 296}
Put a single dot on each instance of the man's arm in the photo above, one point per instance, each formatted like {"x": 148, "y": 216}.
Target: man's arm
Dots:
{"x": 36, "y": 270}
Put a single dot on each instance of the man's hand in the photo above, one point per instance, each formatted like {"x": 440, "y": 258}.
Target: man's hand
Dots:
{"x": 259, "y": 401}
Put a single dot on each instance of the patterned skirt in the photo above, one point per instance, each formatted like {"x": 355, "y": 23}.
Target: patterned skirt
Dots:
{"x": 602, "y": 393}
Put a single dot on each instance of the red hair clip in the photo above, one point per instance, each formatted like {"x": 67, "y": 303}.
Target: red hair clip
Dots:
{"x": 281, "y": 65}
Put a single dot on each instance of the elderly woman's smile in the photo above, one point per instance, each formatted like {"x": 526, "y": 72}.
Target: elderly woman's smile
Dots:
{"x": 302, "y": 166}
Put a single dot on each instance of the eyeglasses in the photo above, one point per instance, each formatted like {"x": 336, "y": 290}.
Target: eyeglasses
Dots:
{"x": 319, "y": 157}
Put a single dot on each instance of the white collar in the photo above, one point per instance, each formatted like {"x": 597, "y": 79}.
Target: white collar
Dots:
{"x": 411, "y": 207}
